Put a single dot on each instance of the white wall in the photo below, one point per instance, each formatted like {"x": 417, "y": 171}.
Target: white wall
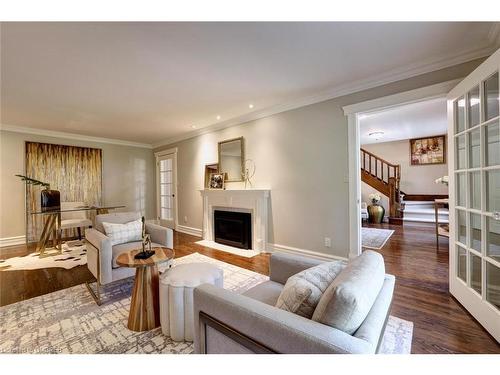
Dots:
{"x": 301, "y": 155}
{"x": 303, "y": 178}
{"x": 128, "y": 178}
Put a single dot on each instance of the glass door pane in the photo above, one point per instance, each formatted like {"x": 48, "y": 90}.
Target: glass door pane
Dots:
{"x": 459, "y": 115}
{"x": 493, "y": 190}
{"x": 493, "y": 238}
{"x": 475, "y": 148}
{"x": 462, "y": 263}
{"x": 475, "y": 232}
{"x": 461, "y": 186}
{"x": 475, "y": 273}
{"x": 492, "y": 144}
{"x": 460, "y": 145}
{"x": 493, "y": 284}
{"x": 475, "y": 190}
{"x": 491, "y": 97}
{"x": 474, "y": 106}
{"x": 461, "y": 227}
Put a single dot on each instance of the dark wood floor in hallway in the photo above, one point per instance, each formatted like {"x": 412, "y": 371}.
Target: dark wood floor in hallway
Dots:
{"x": 441, "y": 325}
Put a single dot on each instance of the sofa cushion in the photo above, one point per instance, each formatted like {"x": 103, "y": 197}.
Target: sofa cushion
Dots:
{"x": 121, "y": 248}
{"x": 348, "y": 300}
{"x": 123, "y": 233}
{"x": 116, "y": 217}
{"x": 303, "y": 290}
{"x": 266, "y": 292}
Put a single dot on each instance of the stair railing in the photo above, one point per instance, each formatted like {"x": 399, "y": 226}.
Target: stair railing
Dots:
{"x": 389, "y": 174}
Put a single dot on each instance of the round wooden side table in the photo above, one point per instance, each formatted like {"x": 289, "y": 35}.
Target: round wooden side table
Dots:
{"x": 144, "y": 311}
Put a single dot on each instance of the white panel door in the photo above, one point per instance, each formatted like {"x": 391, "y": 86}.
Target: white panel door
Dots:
{"x": 166, "y": 189}
{"x": 474, "y": 169}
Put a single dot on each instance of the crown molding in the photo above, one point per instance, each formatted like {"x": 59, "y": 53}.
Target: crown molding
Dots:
{"x": 444, "y": 61}
{"x": 79, "y": 137}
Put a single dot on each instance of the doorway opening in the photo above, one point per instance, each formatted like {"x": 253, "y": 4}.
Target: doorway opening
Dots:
{"x": 404, "y": 171}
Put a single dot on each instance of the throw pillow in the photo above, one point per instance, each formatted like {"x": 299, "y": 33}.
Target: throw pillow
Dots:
{"x": 348, "y": 300}
{"x": 122, "y": 233}
{"x": 303, "y": 291}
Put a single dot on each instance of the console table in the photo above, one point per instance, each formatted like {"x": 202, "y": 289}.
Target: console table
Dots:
{"x": 442, "y": 229}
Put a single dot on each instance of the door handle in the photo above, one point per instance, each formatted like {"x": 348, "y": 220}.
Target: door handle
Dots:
{"x": 496, "y": 215}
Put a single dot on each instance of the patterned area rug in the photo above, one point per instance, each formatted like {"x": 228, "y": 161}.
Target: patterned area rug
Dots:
{"x": 68, "y": 321}
{"x": 72, "y": 256}
{"x": 373, "y": 238}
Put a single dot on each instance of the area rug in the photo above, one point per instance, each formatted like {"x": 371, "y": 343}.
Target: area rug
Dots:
{"x": 68, "y": 321}
{"x": 373, "y": 238}
{"x": 71, "y": 256}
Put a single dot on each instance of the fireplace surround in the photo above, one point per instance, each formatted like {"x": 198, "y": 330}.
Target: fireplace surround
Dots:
{"x": 255, "y": 202}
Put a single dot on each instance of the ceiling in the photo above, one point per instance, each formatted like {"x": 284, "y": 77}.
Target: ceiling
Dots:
{"x": 148, "y": 82}
{"x": 408, "y": 121}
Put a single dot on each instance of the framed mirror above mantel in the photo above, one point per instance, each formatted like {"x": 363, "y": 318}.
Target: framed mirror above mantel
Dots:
{"x": 232, "y": 159}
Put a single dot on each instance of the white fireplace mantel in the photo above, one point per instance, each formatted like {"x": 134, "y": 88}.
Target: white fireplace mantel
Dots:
{"x": 255, "y": 201}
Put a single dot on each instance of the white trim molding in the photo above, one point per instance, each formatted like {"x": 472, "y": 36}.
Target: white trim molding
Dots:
{"x": 161, "y": 153}
{"x": 273, "y": 247}
{"x": 352, "y": 112}
{"x": 12, "y": 241}
{"x": 79, "y": 137}
{"x": 189, "y": 230}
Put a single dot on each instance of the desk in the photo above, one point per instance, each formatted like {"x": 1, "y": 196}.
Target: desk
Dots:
{"x": 442, "y": 229}
{"x": 52, "y": 225}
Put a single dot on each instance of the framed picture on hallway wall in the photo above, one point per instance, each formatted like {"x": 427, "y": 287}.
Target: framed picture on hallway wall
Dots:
{"x": 429, "y": 150}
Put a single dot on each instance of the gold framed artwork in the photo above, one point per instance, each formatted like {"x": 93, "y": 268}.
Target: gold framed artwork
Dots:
{"x": 428, "y": 150}
{"x": 216, "y": 181}
{"x": 209, "y": 169}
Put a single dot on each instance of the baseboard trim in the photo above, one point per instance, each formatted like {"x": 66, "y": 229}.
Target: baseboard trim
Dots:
{"x": 272, "y": 247}
{"x": 189, "y": 230}
{"x": 12, "y": 241}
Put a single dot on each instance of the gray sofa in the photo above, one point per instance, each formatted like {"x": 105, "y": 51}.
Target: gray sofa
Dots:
{"x": 226, "y": 322}
{"x": 101, "y": 256}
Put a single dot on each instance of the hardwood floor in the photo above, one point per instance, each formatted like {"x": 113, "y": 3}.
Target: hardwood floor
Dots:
{"x": 441, "y": 325}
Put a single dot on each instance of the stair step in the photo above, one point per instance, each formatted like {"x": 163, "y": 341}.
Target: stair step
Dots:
{"x": 424, "y": 211}
{"x": 424, "y": 220}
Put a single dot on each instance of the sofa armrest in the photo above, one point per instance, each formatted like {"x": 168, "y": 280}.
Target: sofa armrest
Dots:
{"x": 161, "y": 235}
{"x": 99, "y": 255}
{"x": 278, "y": 330}
{"x": 282, "y": 266}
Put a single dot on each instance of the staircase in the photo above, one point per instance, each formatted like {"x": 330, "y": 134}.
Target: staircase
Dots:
{"x": 422, "y": 211}
{"x": 384, "y": 177}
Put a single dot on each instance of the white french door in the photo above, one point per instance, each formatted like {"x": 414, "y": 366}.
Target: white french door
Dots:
{"x": 166, "y": 164}
{"x": 474, "y": 175}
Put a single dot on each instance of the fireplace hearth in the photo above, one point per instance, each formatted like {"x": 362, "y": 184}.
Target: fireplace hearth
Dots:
{"x": 233, "y": 228}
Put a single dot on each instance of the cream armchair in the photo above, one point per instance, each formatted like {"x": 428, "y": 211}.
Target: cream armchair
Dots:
{"x": 101, "y": 256}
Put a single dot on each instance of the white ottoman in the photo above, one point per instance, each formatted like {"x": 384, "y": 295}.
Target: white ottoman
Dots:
{"x": 176, "y": 297}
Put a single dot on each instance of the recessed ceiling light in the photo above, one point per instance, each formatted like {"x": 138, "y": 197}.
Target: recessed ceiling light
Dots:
{"x": 218, "y": 117}
{"x": 193, "y": 126}
{"x": 376, "y": 135}
{"x": 250, "y": 106}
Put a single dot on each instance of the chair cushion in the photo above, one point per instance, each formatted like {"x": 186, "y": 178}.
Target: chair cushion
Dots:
{"x": 267, "y": 292}
{"x": 116, "y": 217}
{"x": 121, "y": 248}
{"x": 123, "y": 233}
{"x": 348, "y": 300}
{"x": 303, "y": 290}
{"x": 75, "y": 223}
